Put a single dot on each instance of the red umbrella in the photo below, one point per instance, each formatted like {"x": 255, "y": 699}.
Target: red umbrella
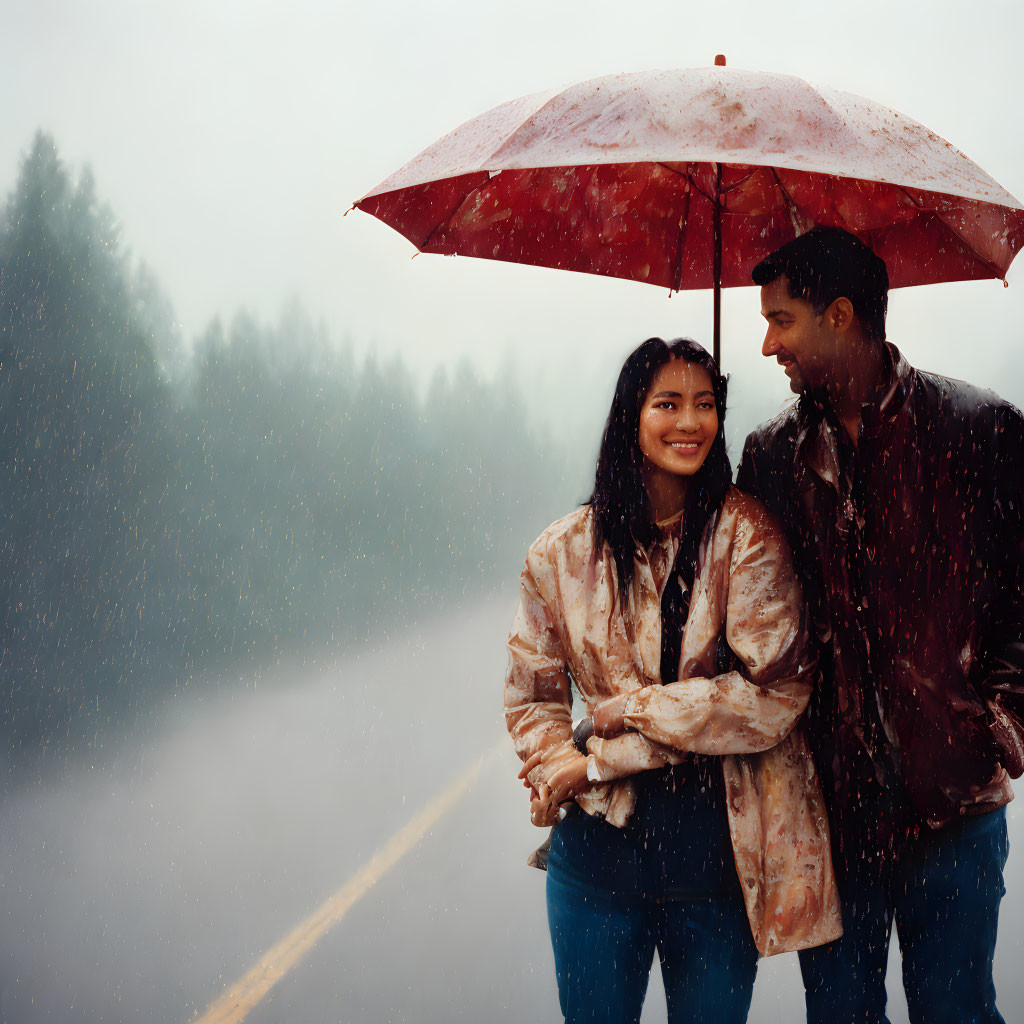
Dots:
{"x": 686, "y": 179}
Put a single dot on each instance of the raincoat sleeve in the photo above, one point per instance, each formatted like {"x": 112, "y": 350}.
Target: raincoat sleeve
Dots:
{"x": 751, "y": 708}
{"x": 1002, "y": 646}
{"x": 537, "y": 692}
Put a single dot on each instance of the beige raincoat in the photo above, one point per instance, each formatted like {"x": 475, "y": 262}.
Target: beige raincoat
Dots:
{"x": 571, "y": 622}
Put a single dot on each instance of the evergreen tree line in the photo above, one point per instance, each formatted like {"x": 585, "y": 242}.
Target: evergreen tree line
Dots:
{"x": 272, "y": 497}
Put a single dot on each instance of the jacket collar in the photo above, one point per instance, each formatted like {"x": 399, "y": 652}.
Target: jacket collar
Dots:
{"x": 818, "y": 435}
{"x": 893, "y": 398}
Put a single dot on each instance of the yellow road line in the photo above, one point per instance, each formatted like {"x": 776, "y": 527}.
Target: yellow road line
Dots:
{"x": 251, "y": 989}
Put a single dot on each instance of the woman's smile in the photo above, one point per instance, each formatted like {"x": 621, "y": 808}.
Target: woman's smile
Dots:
{"x": 678, "y": 420}
{"x": 688, "y": 450}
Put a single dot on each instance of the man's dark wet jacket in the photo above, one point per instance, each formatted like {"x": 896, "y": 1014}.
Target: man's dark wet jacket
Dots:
{"x": 911, "y": 547}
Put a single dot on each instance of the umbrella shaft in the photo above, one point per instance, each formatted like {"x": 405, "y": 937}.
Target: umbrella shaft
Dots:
{"x": 716, "y": 218}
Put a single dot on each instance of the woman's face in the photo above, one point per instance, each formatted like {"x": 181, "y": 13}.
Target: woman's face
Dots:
{"x": 679, "y": 419}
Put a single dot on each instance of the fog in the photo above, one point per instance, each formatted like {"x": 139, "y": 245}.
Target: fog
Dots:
{"x": 232, "y": 137}
{"x": 142, "y": 890}
{"x": 268, "y": 480}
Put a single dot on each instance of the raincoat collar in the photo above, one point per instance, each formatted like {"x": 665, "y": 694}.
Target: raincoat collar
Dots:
{"x": 669, "y": 531}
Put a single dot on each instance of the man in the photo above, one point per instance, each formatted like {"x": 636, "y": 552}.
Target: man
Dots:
{"x": 901, "y": 493}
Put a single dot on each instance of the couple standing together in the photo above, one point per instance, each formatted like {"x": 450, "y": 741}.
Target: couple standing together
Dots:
{"x": 801, "y": 693}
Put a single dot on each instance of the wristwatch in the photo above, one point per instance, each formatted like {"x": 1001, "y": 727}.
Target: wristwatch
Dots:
{"x": 581, "y": 732}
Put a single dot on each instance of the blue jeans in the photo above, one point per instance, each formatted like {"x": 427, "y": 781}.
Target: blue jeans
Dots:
{"x": 943, "y": 891}
{"x": 666, "y": 882}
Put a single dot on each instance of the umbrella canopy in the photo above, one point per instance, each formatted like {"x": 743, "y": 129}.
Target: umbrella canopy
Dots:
{"x": 687, "y": 178}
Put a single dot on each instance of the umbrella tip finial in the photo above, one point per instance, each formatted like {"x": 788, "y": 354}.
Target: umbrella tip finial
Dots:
{"x": 719, "y": 60}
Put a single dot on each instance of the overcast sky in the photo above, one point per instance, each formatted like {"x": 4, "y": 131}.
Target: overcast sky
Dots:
{"x": 231, "y": 136}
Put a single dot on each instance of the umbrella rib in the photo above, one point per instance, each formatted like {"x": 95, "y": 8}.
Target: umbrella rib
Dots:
{"x": 689, "y": 178}
{"x": 987, "y": 264}
{"x": 551, "y": 96}
{"x": 462, "y": 202}
{"x": 790, "y": 204}
{"x": 684, "y": 223}
{"x": 677, "y": 259}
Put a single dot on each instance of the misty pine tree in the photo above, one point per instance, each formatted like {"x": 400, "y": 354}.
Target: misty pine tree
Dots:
{"x": 173, "y": 520}
{"x": 78, "y": 395}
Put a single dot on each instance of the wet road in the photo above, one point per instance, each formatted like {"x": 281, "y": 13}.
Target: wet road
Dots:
{"x": 144, "y": 890}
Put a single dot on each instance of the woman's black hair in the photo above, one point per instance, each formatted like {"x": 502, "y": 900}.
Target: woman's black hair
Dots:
{"x": 622, "y": 512}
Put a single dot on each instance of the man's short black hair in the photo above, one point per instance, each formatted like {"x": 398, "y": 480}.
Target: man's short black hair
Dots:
{"x": 828, "y": 263}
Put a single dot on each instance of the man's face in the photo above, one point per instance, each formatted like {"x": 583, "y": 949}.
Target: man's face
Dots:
{"x": 802, "y": 342}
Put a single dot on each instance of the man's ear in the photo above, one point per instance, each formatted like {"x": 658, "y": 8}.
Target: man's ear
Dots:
{"x": 840, "y": 314}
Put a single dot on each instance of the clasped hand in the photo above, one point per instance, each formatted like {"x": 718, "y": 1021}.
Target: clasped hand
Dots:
{"x": 563, "y": 785}
{"x": 571, "y": 778}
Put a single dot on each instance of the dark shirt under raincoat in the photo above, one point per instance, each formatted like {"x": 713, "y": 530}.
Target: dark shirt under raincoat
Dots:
{"x": 911, "y": 549}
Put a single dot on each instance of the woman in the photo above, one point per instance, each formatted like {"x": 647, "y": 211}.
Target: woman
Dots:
{"x": 690, "y": 821}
